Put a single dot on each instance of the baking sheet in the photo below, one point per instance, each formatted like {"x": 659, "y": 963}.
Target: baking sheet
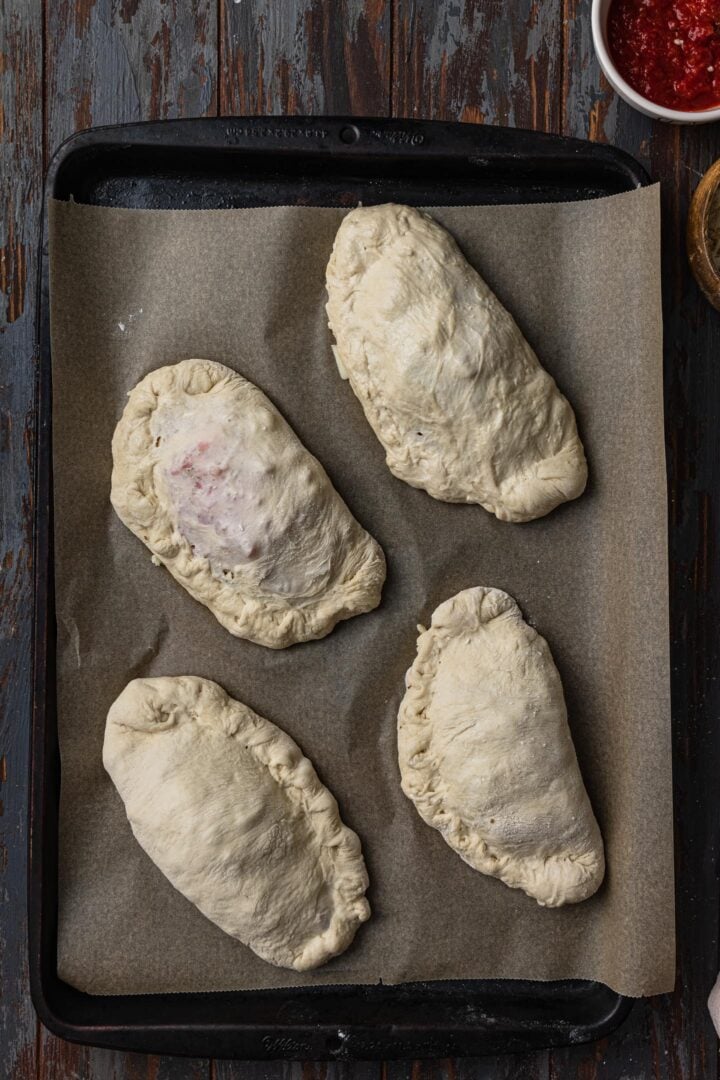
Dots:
{"x": 132, "y": 290}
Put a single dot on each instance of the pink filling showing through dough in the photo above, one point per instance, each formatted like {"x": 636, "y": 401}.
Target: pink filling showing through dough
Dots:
{"x": 218, "y": 493}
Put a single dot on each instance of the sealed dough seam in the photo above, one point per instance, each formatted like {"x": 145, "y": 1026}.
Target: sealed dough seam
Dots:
{"x": 427, "y": 792}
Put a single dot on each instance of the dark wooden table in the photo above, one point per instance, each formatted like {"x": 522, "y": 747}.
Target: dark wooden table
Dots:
{"x": 70, "y": 64}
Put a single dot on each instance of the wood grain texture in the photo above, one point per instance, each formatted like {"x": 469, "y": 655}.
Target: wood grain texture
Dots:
{"x": 296, "y": 1070}
{"x": 59, "y": 1060}
{"x": 20, "y": 207}
{"x": 533, "y": 1066}
{"x": 305, "y": 56}
{"x": 114, "y": 61}
{"x": 483, "y": 61}
{"x": 589, "y": 109}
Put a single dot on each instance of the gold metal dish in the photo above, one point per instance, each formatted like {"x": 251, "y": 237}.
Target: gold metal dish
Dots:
{"x": 705, "y": 269}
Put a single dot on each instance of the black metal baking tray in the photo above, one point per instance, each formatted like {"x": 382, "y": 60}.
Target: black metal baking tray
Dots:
{"x": 220, "y": 163}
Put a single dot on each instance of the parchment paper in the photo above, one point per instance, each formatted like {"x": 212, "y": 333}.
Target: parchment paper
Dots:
{"x": 132, "y": 290}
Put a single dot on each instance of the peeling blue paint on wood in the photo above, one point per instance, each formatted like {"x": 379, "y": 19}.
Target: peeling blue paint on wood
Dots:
{"x": 490, "y": 63}
{"x": 114, "y": 61}
{"x": 21, "y": 171}
{"x": 306, "y": 57}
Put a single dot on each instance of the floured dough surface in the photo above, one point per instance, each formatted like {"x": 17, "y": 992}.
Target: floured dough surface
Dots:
{"x": 486, "y": 753}
{"x": 215, "y": 482}
{"x": 452, "y": 389}
{"x": 235, "y": 817}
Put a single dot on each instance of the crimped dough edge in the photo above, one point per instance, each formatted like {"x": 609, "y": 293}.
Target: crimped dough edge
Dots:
{"x": 265, "y": 618}
{"x": 552, "y": 882}
{"x": 295, "y": 774}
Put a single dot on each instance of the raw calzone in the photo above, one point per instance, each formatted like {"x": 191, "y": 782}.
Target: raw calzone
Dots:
{"x": 486, "y": 753}
{"x": 210, "y": 476}
{"x": 235, "y": 817}
{"x": 450, "y": 386}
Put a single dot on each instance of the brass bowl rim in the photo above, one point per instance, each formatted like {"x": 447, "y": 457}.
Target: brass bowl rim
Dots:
{"x": 704, "y": 269}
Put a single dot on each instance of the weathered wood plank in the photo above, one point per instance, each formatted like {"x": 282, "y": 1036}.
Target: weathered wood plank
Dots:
{"x": 113, "y": 61}
{"x": 483, "y": 61}
{"x": 20, "y": 206}
{"x": 296, "y": 1070}
{"x": 533, "y": 1066}
{"x": 589, "y": 107}
{"x": 671, "y": 1037}
{"x": 59, "y": 1060}
{"x": 305, "y": 56}
{"x": 508, "y": 1067}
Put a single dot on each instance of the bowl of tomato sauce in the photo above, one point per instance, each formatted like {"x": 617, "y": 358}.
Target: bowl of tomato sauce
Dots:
{"x": 662, "y": 56}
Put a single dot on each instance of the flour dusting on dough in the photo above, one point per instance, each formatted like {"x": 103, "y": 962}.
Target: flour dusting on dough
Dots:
{"x": 235, "y": 817}
{"x": 450, "y": 386}
{"x": 211, "y": 478}
{"x": 486, "y": 753}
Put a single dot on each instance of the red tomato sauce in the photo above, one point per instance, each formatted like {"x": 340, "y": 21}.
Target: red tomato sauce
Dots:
{"x": 668, "y": 50}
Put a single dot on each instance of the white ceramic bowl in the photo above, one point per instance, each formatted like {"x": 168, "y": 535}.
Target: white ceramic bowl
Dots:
{"x": 599, "y": 18}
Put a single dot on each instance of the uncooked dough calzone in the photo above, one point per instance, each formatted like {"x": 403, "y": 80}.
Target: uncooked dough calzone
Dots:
{"x": 235, "y": 817}
{"x": 486, "y": 753}
{"x": 450, "y": 386}
{"x": 210, "y": 476}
